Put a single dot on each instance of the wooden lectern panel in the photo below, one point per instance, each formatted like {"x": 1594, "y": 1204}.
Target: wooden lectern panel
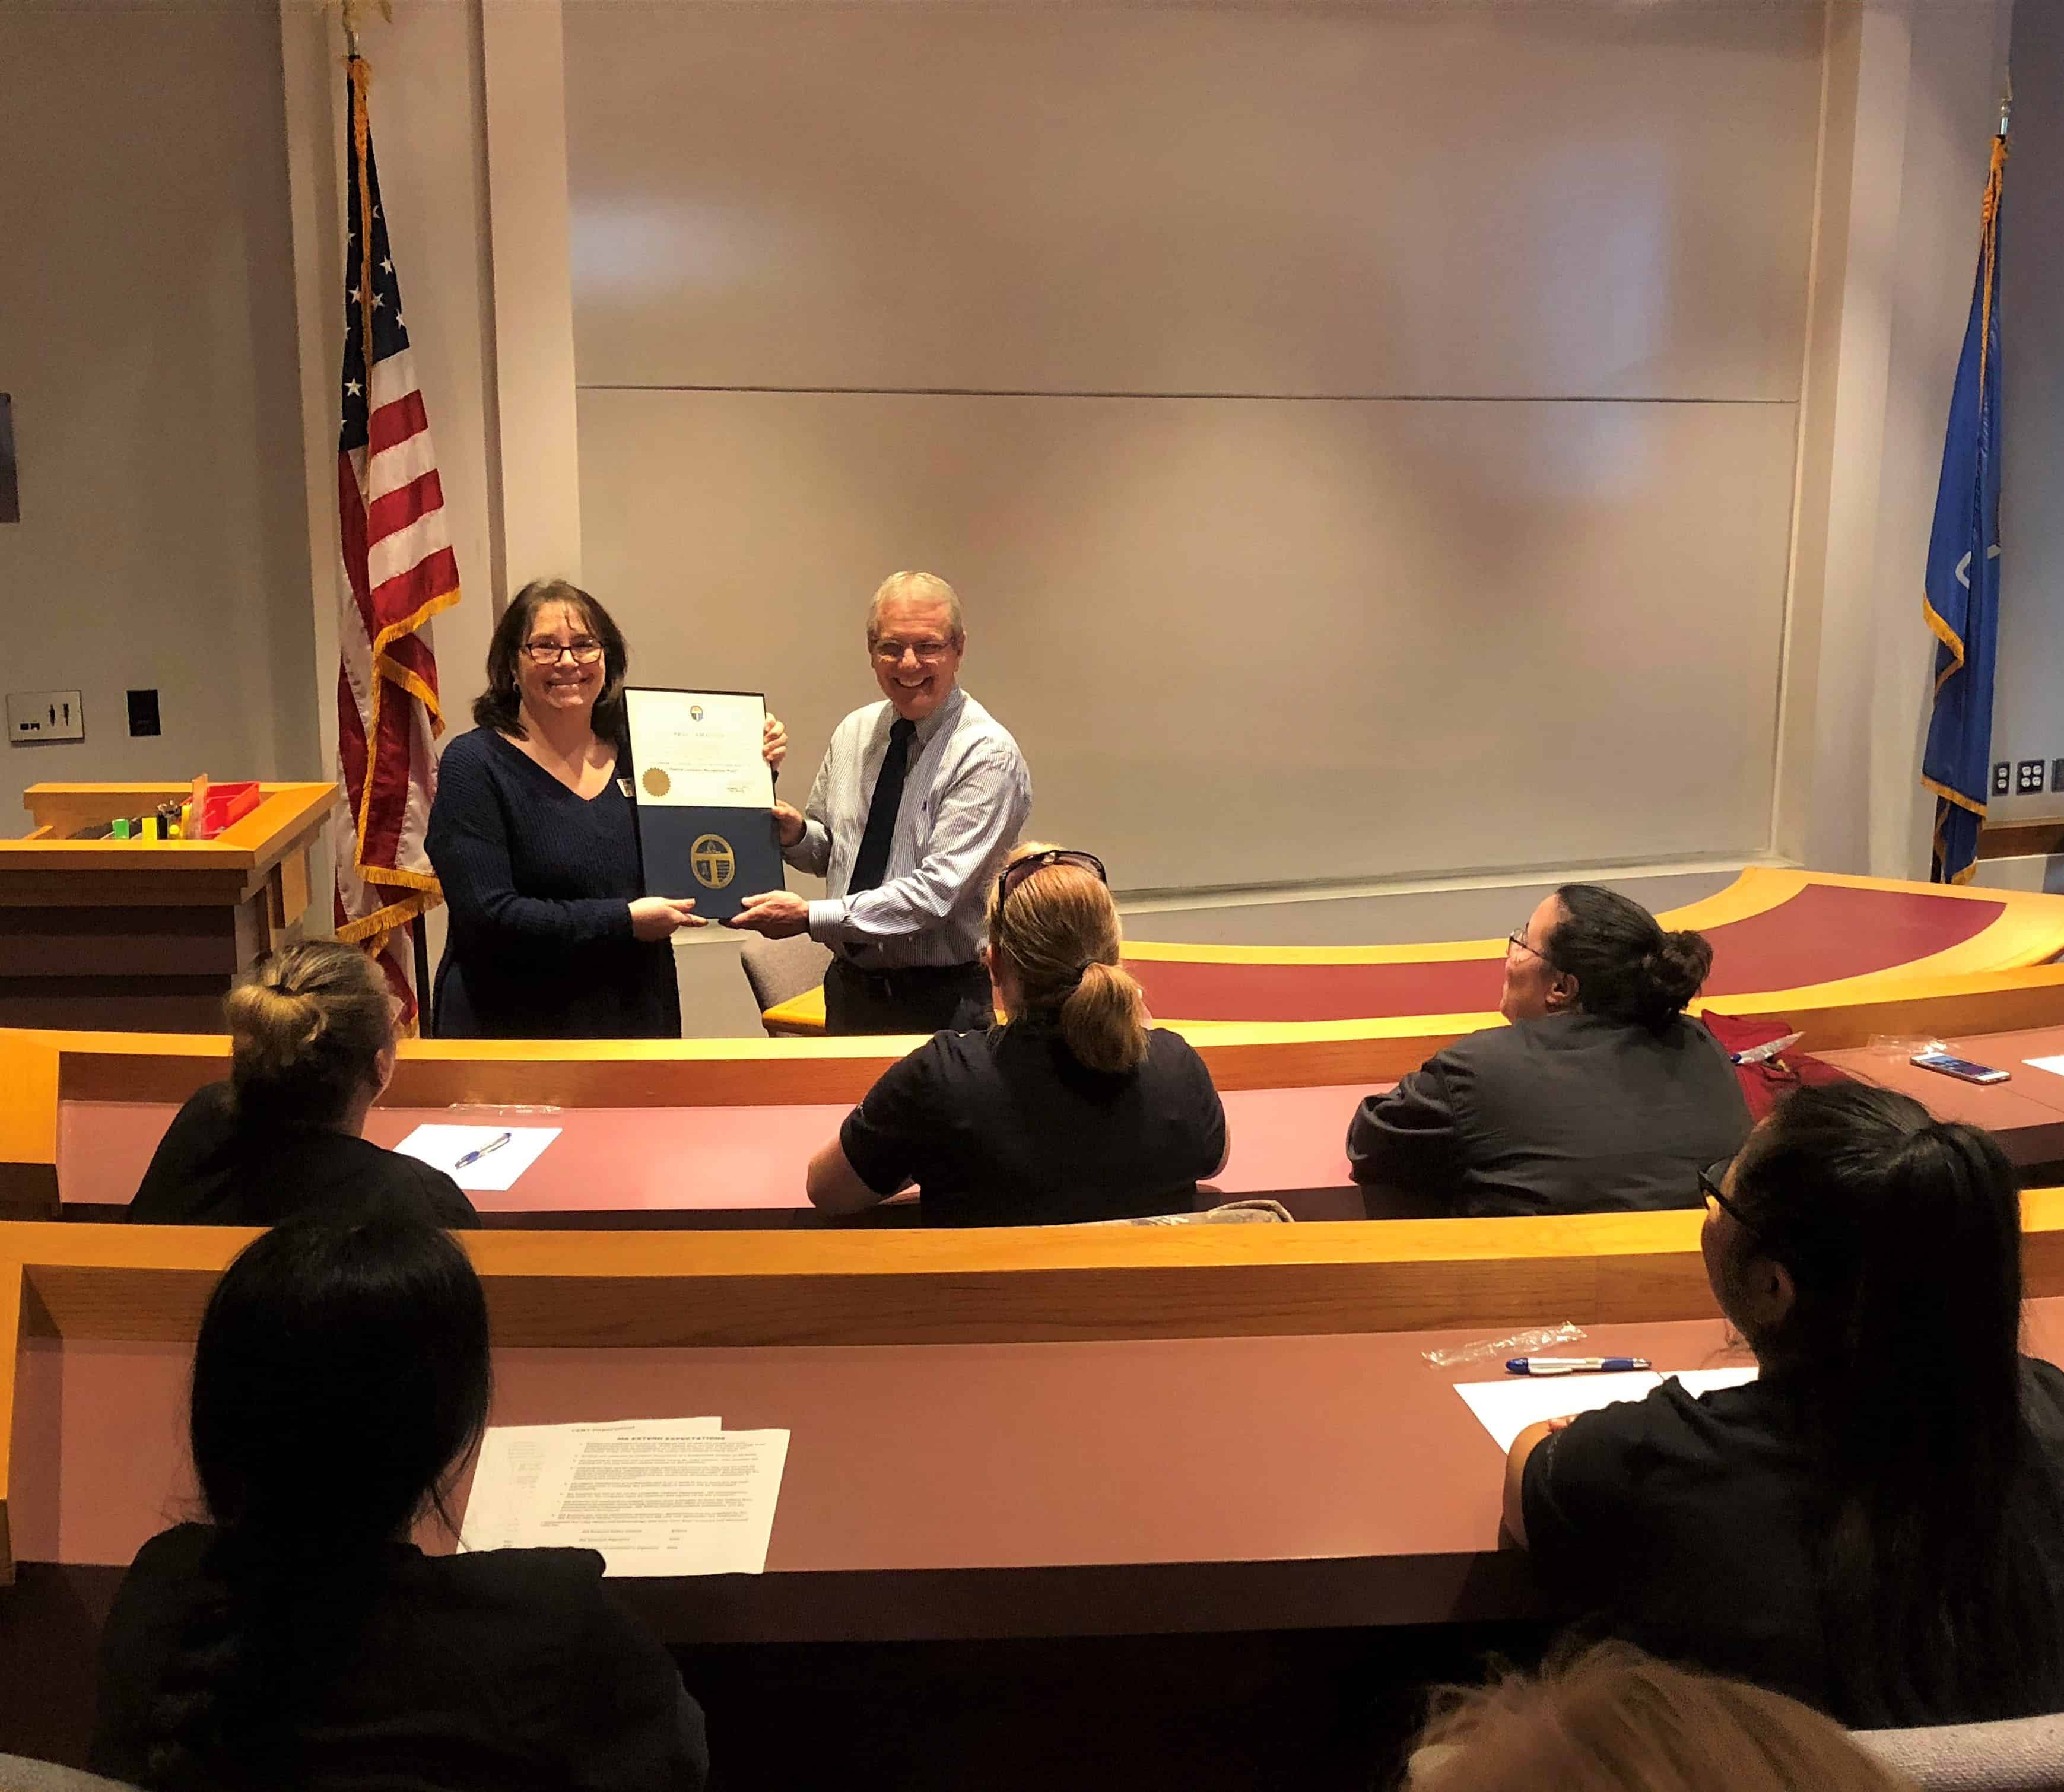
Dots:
{"x": 147, "y": 934}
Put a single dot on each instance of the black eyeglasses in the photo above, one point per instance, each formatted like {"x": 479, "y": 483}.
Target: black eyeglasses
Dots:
{"x": 1519, "y": 939}
{"x": 1016, "y": 872}
{"x": 584, "y": 652}
{"x": 1710, "y": 1179}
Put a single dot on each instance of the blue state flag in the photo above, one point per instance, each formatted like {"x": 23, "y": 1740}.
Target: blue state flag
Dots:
{"x": 1962, "y": 600}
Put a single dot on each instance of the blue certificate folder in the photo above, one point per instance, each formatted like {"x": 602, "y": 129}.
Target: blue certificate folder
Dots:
{"x": 718, "y": 856}
{"x": 702, "y": 796}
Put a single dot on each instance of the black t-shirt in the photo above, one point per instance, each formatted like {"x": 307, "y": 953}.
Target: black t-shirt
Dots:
{"x": 218, "y": 1166}
{"x": 1009, "y": 1128}
{"x": 1685, "y": 1525}
{"x": 505, "y": 1671}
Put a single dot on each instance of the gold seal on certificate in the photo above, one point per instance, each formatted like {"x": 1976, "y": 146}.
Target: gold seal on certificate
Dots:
{"x": 705, "y": 796}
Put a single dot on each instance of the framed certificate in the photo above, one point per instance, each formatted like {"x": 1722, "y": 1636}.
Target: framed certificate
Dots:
{"x": 703, "y": 796}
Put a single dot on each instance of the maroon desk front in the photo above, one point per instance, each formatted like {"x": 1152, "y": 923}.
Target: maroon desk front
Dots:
{"x": 2026, "y": 1114}
{"x": 717, "y": 1166}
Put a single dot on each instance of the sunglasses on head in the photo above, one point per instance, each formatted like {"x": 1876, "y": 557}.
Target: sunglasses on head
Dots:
{"x": 1016, "y": 872}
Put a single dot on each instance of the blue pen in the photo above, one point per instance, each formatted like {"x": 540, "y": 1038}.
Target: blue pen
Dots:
{"x": 1570, "y": 1365}
{"x": 501, "y": 1139}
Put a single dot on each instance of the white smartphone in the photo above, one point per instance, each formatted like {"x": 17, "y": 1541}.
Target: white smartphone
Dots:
{"x": 1961, "y": 1068}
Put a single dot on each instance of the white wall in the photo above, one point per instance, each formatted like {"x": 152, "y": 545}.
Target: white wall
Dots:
{"x": 2028, "y": 711}
{"x": 1363, "y": 437}
{"x": 147, "y": 337}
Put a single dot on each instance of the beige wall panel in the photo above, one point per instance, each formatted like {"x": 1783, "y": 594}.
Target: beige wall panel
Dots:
{"x": 147, "y": 335}
{"x": 1585, "y": 198}
{"x": 1246, "y": 642}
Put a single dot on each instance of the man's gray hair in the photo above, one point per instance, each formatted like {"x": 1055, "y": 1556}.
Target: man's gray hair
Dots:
{"x": 922, "y": 588}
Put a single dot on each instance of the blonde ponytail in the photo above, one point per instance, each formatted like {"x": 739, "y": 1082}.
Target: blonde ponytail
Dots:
{"x": 1104, "y": 1021}
{"x": 306, "y": 1030}
{"x": 1059, "y": 935}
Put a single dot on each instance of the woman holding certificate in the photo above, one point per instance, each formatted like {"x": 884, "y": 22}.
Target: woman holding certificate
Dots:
{"x": 534, "y": 837}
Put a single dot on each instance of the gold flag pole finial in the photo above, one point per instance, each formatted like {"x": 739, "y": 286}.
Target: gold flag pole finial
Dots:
{"x": 351, "y": 10}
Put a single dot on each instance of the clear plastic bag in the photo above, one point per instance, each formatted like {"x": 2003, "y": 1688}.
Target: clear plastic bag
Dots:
{"x": 1518, "y": 1343}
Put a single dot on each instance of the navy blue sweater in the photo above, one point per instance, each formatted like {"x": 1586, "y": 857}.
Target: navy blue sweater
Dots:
{"x": 540, "y": 882}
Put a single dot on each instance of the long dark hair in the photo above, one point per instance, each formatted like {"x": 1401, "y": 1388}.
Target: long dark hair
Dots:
{"x": 342, "y": 1371}
{"x": 501, "y": 705}
{"x": 1901, "y": 1234}
{"x": 1626, "y": 967}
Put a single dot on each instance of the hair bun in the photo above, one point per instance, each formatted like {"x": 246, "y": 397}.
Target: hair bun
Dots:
{"x": 1678, "y": 966}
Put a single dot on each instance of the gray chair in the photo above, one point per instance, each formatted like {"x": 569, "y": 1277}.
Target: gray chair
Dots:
{"x": 780, "y": 970}
{"x": 19, "y": 1773}
{"x": 2019, "y": 1754}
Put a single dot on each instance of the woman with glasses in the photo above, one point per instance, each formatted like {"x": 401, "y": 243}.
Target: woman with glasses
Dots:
{"x": 1076, "y": 1108}
{"x": 535, "y": 838}
{"x": 1600, "y": 1094}
{"x": 1876, "y": 1524}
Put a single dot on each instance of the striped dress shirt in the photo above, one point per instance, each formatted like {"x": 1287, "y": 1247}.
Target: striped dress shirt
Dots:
{"x": 966, "y": 797}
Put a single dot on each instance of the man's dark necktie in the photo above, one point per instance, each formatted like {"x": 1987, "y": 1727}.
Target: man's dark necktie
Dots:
{"x": 887, "y": 798}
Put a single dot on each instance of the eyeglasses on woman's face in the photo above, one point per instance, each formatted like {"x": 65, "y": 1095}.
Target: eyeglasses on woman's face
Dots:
{"x": 584, "y": 650}
{"x": 1710, "y": 1181}
{"x": 1015, "y": 873}
{"x": 1517, "y": 942}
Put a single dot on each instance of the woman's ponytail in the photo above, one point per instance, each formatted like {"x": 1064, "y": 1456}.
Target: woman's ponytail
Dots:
{"x": 1104, "y": 1019}
{"x": 1057, "y": 932}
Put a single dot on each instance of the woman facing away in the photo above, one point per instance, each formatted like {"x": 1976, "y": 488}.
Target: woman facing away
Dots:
{"x": 1876, "y": 1524}
{"x": 310, "y": 1049}
{"x": 1611, "y": 1720}
{"x": 340, "y": 1380}
{"x": 1600, "y": 1094}
{"x": 534, "y": 837}
{"x": 1076, "y": 1109}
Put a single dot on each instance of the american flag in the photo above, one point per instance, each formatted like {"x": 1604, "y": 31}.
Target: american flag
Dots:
{"x": 399, "y": 572}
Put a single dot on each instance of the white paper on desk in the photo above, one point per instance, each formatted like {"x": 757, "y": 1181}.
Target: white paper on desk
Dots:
{"x": 656, "y": 1499}
{"x": 502, "y": 1511}
{"x": 2054, "y": 1065}
{"x": 441, "y": 1147}
{"x": 1505, "y": 1408}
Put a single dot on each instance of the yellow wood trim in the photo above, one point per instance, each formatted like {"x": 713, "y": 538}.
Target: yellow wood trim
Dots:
{"x": 29, "y": 1081}
{"x": 11, "y": 1279}
{"x": 799, "y": 1017}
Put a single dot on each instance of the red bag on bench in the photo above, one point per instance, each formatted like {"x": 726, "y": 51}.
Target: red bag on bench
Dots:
{"x": 1763, "y": 1084}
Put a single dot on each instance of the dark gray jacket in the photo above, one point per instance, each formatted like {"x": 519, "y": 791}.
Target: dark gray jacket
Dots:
{"x": 1570, "y": 1114}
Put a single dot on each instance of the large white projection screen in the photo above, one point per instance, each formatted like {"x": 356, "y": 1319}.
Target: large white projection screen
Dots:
{"x": 1363, "y": 436}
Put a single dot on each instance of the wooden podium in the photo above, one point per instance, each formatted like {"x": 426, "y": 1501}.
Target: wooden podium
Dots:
{"x": 146, "y": 935}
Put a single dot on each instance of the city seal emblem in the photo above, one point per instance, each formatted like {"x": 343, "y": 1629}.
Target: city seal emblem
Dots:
{"x": 712, "y": 861}
{"x": 656, "y": 783}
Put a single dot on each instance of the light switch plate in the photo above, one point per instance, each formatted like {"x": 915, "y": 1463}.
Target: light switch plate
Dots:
{"x": 40, "y": 715}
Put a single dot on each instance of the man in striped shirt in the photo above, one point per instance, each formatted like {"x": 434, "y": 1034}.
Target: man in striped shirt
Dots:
{"x": 915, "y": 809}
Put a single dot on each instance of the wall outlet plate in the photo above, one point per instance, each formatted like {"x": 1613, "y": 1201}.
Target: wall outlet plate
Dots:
{"x": 2027, "y": 777}
{"x": 2002, "y": 778}
{"x": 42, "y": 715}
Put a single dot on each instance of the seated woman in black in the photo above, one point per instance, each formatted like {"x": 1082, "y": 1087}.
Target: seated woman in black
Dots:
{"x": 1876, "y": 1525}
{"x": 1600, "y": 1095}
{"x": 299, "y": 1639}
{"x": 1075, "y": 1109}
{"x": 310, "y": 1048}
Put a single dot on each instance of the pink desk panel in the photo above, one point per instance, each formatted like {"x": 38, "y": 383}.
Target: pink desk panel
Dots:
{"x": 2026, "y": 1114}
{"x": 939, "y": 1490}
{"x": 720, "y": 1166}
